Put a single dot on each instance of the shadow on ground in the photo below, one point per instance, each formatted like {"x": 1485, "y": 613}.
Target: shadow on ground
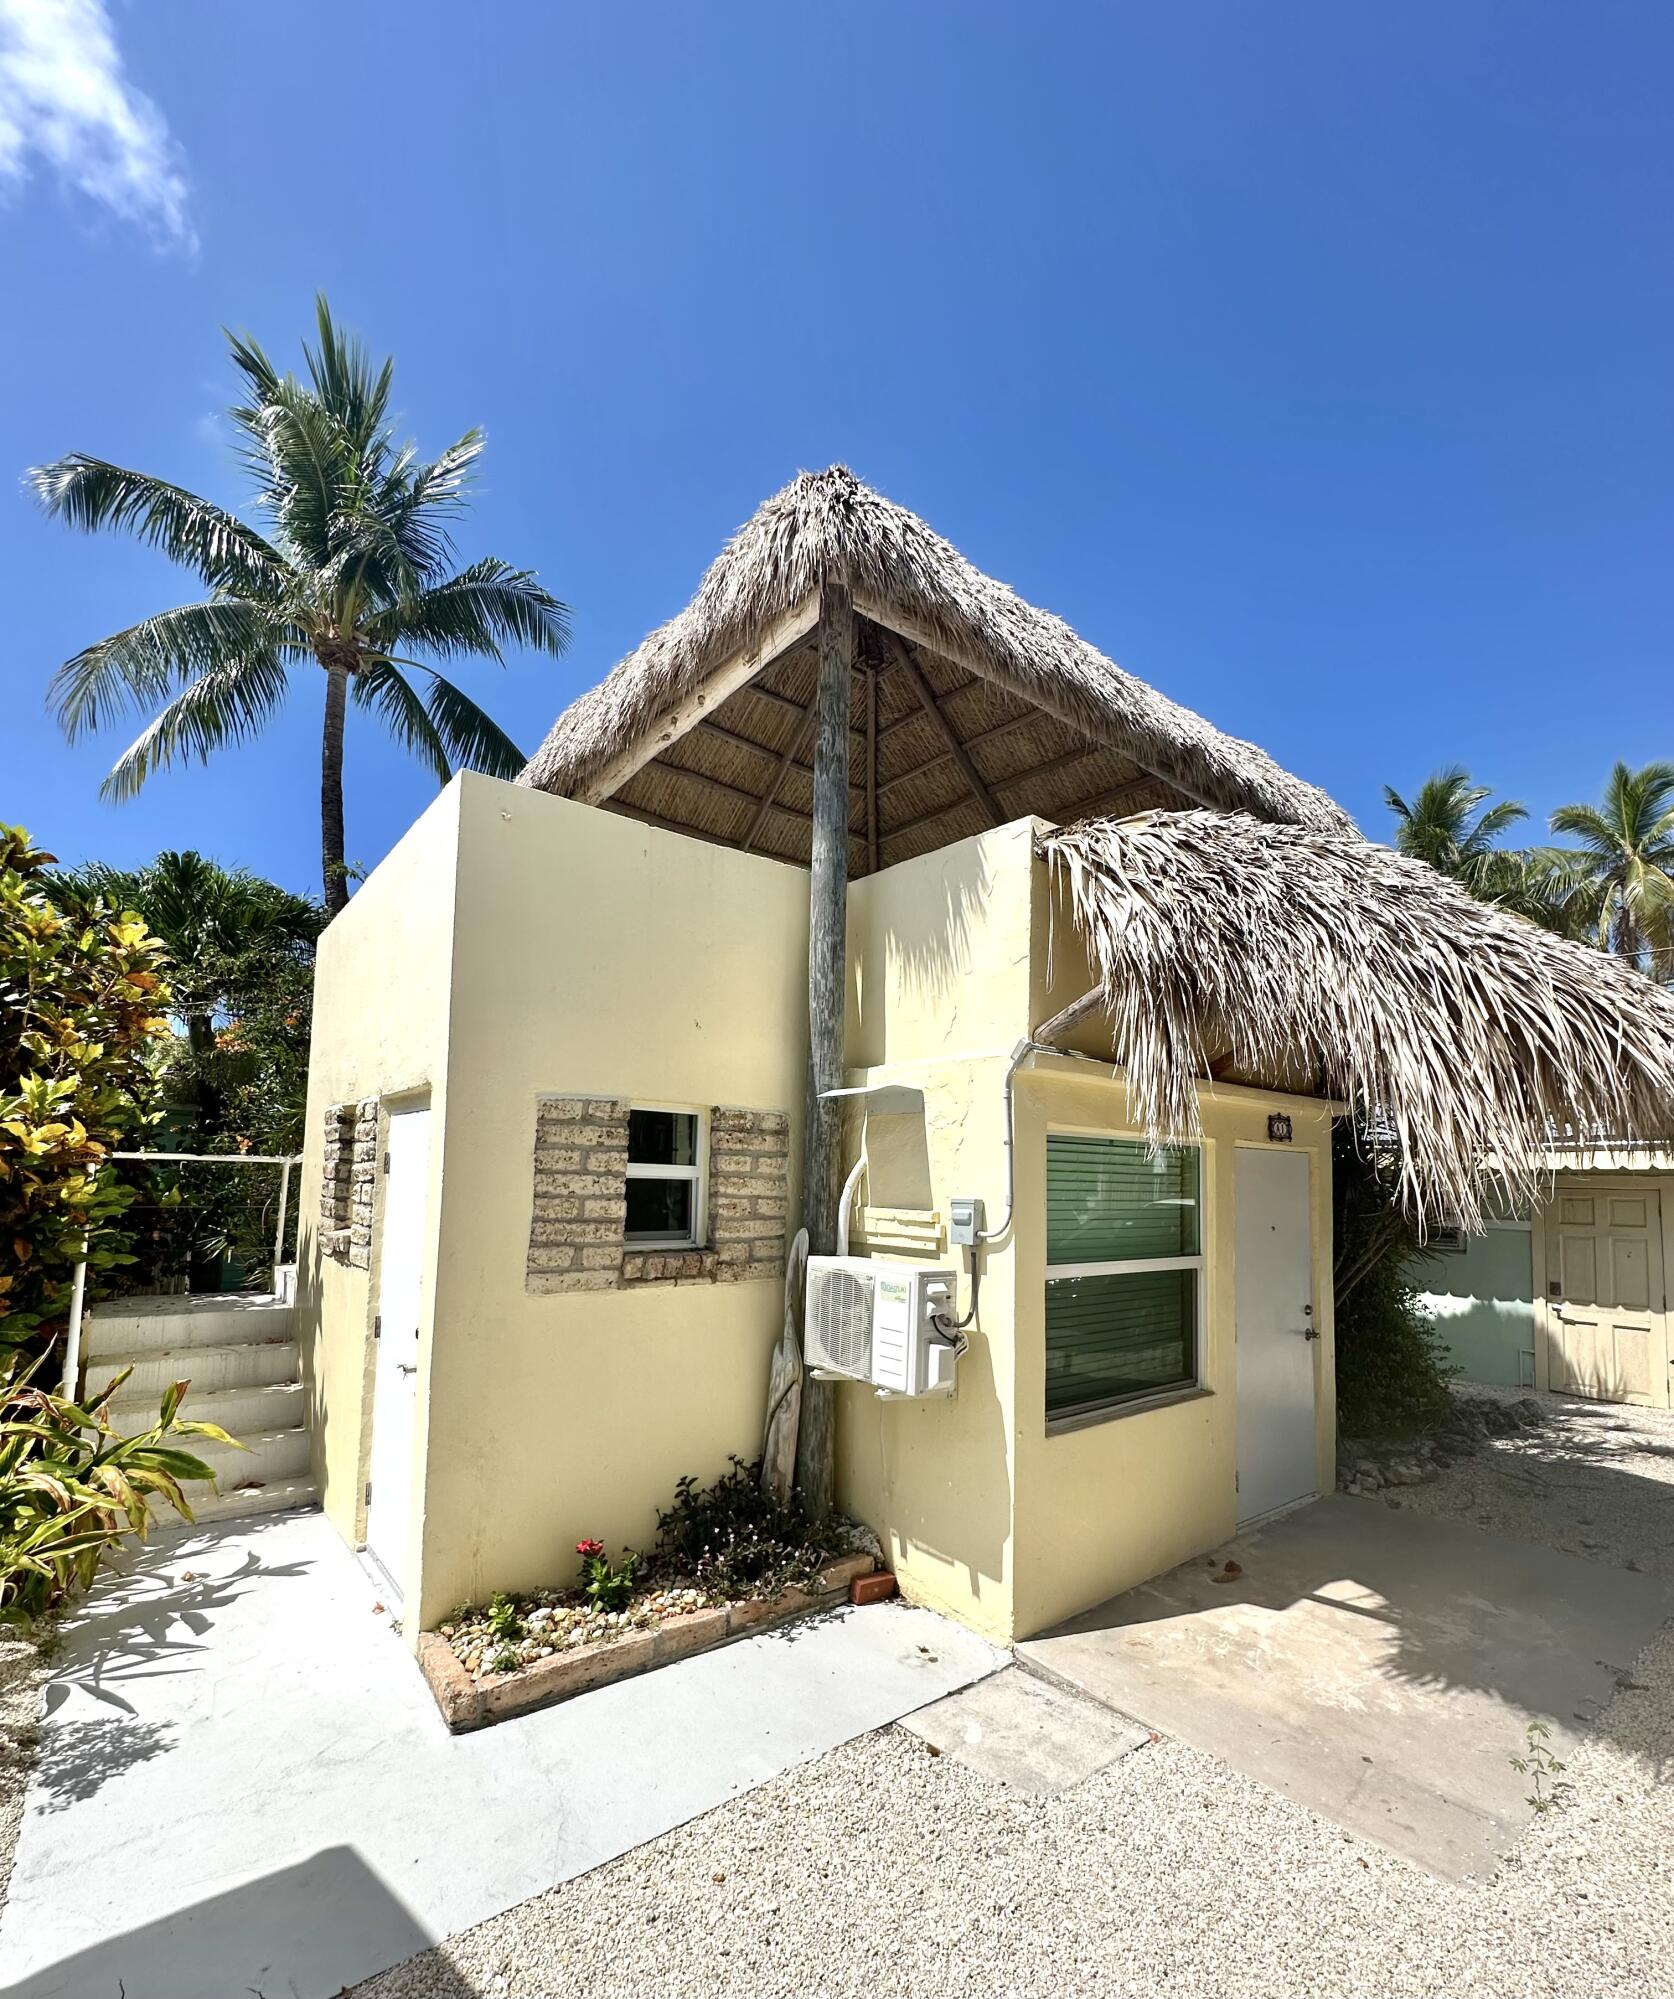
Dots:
{"x": 152, "y": 1617}
{"x": 309, "y": 1919}
{"x": 1379, "y": 1666}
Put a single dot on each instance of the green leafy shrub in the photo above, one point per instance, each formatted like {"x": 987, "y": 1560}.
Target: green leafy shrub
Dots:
{"x": 733, "y": 1542}
{"x": 1392, "y": 1367}
{"x": 81, "y": 1007}
{"x": 234, "y": 1077}
{"x": 71, "y": 1488}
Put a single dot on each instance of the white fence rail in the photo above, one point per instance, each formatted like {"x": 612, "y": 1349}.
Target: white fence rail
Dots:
{"x": 287, "y": 1162}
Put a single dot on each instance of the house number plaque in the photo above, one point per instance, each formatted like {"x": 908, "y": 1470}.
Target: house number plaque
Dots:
{"x": 1278, "y": 1129}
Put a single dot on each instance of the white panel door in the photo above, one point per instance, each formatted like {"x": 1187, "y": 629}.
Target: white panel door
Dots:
{"x": 1276, "y": 1331}
{"x": 1604, "y": 1292}
{"x": 395, "y": 1380}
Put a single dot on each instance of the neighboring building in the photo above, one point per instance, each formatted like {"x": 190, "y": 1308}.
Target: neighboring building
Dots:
{"x": 560, "y": 1053}
{"x": 1567, "y": 1291}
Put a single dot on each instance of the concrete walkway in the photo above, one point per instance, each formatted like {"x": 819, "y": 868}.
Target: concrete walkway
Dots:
{"x": 1377, "y": 1666}
{"x": 244, "y": 1784}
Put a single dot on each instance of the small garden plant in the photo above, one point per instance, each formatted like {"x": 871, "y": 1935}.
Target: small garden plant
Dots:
{"x": 1538, "y": 1761}
{"x": 716, "y": 1544}
{"x": 606, "y": 1587}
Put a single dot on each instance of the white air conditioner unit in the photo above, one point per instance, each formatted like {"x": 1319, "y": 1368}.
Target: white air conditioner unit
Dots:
{"x": 837, "y": 1320}
{"x": 873, "y": 1319}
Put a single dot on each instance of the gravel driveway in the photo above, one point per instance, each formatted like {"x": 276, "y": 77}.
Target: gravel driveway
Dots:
{"x": 23, "y": 1671}
{"x": 882, "y": 1870}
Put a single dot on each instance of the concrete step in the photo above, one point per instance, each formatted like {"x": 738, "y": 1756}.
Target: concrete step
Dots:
{"x": 238, "y": 1502}
{"x": 268, "y": 1456}
{"x": 131, "y": 1325}
{"x": 242, "y": 1412}
{"x": 248, "y": 1364}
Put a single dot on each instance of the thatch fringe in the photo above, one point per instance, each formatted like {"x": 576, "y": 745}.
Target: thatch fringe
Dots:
{"x": 828, "y": 524}
{"x": 1467, "y": 1033}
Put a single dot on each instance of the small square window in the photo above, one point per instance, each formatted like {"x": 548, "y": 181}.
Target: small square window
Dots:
{"x": 665, "y": 1178}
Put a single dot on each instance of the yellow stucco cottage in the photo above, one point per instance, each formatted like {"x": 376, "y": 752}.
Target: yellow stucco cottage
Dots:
{"x": 1109, "y": 975}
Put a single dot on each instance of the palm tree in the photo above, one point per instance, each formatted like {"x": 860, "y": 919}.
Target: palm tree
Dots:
{"x": 1617, "y": 885}
{"x": 214, "y": 920}
{"x": 355, "y": 574}
{"x": 1450, "y": 825}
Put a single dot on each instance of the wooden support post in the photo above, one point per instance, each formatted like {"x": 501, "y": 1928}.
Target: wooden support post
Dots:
{"x": 828, "y": 902}
{"x": 872, "y": 772}
{"x": 1070, "y": 1016}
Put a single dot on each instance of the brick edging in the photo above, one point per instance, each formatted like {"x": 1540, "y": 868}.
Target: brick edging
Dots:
{"x": 467, "y": 1703}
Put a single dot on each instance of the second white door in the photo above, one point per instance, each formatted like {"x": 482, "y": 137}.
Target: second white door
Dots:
{"x": 395, "y": 1378}
{"x": 1277, "y": 1332}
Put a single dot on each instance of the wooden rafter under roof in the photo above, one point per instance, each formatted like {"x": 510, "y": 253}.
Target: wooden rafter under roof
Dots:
{"x": 967, "y": 707}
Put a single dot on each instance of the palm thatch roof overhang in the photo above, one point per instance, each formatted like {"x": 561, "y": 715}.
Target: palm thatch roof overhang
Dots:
{"x": 968, "y": 707}
{"x": 1231, "y": 949}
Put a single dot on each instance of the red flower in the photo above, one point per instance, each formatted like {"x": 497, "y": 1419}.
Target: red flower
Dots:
{"x": 589, "y": 1549}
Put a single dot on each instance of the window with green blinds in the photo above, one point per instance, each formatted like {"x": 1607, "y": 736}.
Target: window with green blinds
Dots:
{"x": 1124, "y": 1266}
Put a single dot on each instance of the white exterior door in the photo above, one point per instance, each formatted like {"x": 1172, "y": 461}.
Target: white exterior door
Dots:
{"x": 1604, "y": 1295}
{"x": 1277, "y": 1332}
{"x": 395, "y": 1380}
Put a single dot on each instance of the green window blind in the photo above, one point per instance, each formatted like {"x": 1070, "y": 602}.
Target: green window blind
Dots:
{"x": 1108, "y": 1200}
{"x": 1109, "y": 1338}
{"x": 1115, "y": 1335}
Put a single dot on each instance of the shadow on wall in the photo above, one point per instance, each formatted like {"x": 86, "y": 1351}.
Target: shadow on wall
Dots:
{"x": 966, "y": 1501}
{"x": 311, "y": 1929}
{"x": 927, "y": 947}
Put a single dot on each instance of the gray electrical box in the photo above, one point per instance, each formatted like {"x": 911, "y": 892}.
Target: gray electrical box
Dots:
{"x": 964, "y": 1220}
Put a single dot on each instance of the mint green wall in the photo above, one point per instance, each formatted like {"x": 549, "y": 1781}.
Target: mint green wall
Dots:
{"x": 1481, "y": 1300}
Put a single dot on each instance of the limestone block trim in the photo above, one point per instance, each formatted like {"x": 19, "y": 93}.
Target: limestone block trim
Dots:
{"x": 577, "y": 1229}
{"x": 749, "y": 1192}
{"x": 580, "y": 1194}
{"x": 349, "y": 1181}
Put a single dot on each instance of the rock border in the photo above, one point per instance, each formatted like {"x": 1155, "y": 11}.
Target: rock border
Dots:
{"x": 467, "y": 1703}
{"x": 1368, "y": 1467}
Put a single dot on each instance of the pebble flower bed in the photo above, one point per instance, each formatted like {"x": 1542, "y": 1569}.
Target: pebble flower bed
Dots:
{"x": 547, "y": 1621}
{"x": 727, "y": 1562}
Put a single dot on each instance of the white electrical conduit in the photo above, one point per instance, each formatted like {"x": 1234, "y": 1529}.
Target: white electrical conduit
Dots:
{"x": 888, "y": 1099}
{"x": 1019, "y": 1055}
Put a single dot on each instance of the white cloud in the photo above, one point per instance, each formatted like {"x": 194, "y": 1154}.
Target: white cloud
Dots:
{"x": 64, "y": 100}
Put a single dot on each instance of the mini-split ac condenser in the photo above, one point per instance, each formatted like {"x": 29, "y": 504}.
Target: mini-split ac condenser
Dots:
{"x": 889, "y": 1323}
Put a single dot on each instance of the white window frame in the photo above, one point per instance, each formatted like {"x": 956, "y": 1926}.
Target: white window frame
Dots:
{"x": 1108, "y": 1406}
{"x": 697, "y": 1174}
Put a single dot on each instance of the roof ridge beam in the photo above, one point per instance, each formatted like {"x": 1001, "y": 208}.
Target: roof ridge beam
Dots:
{"x": 788, "y": 629}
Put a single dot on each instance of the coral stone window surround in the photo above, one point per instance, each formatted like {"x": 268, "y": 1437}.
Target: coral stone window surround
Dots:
{"x": 668, "y": 1147}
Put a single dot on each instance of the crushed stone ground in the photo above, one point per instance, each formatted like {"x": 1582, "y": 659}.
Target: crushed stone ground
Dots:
{"x": 882, "y": 1870}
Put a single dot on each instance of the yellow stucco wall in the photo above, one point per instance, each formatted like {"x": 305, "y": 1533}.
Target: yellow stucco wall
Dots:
{"x": 1111, "y": 1503}
{"x": 940, "y": 955}
{"x": 516, "y": 945}
{"x": 382, "y": 994}
{"x": 593, "y": 955}
{"x": 984, "y": 1514}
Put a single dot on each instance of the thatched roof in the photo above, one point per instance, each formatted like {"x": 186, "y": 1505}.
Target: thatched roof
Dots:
{"x": 1230, "y": 948}
{"x": 968, "y": 706}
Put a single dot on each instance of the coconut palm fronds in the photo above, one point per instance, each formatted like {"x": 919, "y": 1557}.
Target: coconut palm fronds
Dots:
{"x": 1321, "y": 963}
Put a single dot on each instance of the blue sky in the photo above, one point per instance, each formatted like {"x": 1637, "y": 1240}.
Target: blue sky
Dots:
{"x": 1314, "y": 361}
